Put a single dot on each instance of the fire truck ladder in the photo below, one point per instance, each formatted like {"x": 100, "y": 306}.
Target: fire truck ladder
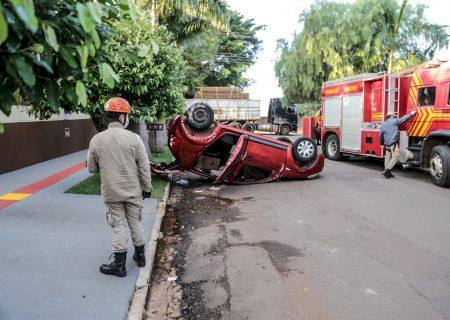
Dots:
{"x": 393, "y": 92}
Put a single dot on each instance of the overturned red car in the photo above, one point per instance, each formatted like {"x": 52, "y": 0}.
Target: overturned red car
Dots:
{"x": 231, "y": 155}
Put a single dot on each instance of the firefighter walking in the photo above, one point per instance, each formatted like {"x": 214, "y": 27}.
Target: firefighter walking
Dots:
{"x": 120, "y": 157}
{"x": 389, "y": 139}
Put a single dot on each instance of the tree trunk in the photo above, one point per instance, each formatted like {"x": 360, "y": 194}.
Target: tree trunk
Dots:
{"x": 100, "y": 122}
{"x": 140, "y": 128}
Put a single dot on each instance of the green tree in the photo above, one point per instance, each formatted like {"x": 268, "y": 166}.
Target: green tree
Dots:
{"x": 218, "y": 58}
{"x": 187, "y": 18}
{"x": 150, "y": 67}
{"x": 49, "y": 47}
{"x": 342, "y": 39}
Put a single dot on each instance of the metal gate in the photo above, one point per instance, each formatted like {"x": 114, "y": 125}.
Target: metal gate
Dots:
{"x": 352, "y": 109}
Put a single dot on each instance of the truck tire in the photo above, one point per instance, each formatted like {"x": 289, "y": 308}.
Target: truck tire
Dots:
{"x": 200, "y": 116}
{"x": 440, "y": 165}
{"x": 250, "y": 127}
{"x": 284, "y": 139}
{"x": 285, "y": 129}
{"x": 331, "y": 148}
{"x": 236, "y": 125}
{"x": 304, "y": 149}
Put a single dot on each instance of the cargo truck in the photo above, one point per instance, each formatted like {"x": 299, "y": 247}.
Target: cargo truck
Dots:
{"x": 241, "y": 112}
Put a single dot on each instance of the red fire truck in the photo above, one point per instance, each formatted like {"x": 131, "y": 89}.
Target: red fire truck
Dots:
{"x": 354, "y": 108}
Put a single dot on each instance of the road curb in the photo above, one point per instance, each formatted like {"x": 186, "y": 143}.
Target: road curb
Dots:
{"x": 137, "y": 305}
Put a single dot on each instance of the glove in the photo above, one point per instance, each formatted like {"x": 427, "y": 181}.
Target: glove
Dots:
{"x": 146, "y": 194}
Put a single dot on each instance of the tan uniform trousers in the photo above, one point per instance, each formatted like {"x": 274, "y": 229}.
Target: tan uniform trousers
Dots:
{"x": 392, "y": 156}
{"x": 118, "y": 215}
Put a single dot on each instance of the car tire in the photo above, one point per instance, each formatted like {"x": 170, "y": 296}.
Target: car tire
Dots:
{"x": 304, "y": 149}
{"x": 285, "y": 129}
{"x": 236, "y": 125}
{"x": 440, "y": 165}
{"x": 331, "y": 148}
{"x": 284, "y": 139}
{"x": 200, "y": 116}
{"x": 250, "y": 127}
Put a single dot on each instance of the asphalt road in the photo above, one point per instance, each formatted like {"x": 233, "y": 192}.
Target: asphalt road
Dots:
{"x": 348, "y": 244}
{"x": 356, "y": 246}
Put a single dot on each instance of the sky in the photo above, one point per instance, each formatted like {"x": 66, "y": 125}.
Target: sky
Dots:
{"x": 281, "y": 20}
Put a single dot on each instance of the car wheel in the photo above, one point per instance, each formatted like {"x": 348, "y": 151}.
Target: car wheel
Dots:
{"x": 200, "y": 116}
{"x": 285, "y": 129}
{"x": 440, "y": 166}
{"x": 250, "y": 127}
{"x": 304, "y": 149}
{"x": 331, "y": 148}
{"x": 284, "y": 139}
{"x": 236, "y": 125}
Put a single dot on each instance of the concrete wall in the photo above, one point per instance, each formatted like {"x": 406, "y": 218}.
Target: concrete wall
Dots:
{"x": 27, "y": 141}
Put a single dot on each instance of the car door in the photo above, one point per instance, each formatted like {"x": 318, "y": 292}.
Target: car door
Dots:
{"x": 232, "y": 165}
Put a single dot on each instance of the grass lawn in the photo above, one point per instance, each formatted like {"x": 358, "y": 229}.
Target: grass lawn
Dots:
{"x": 91, "y": 185}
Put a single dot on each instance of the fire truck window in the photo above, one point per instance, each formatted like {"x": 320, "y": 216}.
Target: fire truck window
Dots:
{"x": 427, "y": 96}
{"x": 448, "y": 102}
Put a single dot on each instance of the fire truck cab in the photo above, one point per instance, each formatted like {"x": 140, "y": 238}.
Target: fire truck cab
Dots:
{"x": 354, "y": 108}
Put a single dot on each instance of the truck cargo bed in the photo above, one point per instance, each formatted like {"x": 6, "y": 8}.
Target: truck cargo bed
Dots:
{"x": 231, "y": 109}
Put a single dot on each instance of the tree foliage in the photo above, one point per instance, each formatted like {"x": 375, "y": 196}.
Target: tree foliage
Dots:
{"x": 49, "y": 47}
{"x": 218, "y": 58}
{"x": 149, "y": 65}
{"x": 342, "y": 39}
{"x": 186, "y": 19}
{"x": 75, "y": 55}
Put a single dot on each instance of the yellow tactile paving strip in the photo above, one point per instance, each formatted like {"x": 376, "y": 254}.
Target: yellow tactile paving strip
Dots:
{"x": 14, "y": 196}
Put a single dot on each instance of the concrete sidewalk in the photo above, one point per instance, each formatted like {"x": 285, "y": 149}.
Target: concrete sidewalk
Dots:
{"x": 51, "y": 246}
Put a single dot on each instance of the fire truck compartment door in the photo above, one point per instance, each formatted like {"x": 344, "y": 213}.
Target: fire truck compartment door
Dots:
{"x": 352, "y": 112}
{"x": 332, "y": 112}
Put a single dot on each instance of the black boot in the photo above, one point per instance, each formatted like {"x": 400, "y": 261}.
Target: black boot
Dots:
{"x": 117, "y": 267}
{"x": 387, "y": 173}
{"x": 139, "y": 255}
{"x": 391, "y": 175}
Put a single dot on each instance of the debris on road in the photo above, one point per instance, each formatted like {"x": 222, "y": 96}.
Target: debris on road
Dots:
{"x": 182, "y": 182}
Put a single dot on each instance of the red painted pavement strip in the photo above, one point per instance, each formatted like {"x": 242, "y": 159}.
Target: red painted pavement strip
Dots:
{"x": 5, "y": 203}
{"x": 44, "y": 183}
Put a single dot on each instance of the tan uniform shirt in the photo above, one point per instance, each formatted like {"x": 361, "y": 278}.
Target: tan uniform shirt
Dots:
{"x": 120, "y": 156}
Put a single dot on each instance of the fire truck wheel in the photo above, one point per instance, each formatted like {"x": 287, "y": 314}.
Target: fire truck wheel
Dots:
{"x": 200, "y": 116}
{"x": 331, "y": 148}
{"x": 249, "y": 127}
{"x": 285, "y": 129}
{"x": 304, "y": 149}
{"x": 284, "y": 139}
{"x": 440, "y": 166}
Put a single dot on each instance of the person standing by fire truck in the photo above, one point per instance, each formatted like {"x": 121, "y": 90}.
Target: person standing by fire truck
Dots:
{"x": 120, "y": 157}
{"x": 389, "y": 139}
